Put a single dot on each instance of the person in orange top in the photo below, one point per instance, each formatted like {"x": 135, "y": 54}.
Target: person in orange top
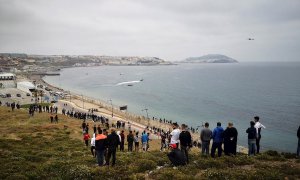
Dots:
{"x": 86, "y": 138}
{"x": 100, "y": 145}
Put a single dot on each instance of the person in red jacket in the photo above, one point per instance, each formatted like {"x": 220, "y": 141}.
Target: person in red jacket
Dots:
{"x": 86, "y": 138}
{"x": 100, "y": 144}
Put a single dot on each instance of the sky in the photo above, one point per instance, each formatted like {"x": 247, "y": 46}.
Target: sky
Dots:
{"x": 170, "y": 29}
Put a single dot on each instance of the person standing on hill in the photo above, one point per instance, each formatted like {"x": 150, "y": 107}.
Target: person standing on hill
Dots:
{"x": 185, "y": 141}
{"x": 175, "y": 135}
{"x": 298, "y": 135}
{"x": 93, "y": 139}
{"x": 205, "y": 136}
{"x": 230, "y": 140}
{"x": 217, "y": 137}
{"x": 56, "y": 118}
{"x": 122, "y": 140}
{"x": 86, "y": 138}
{"x": 258, "y": 127}
{"x": 130, "y": 139}
{"x": 100, "y": 145}
{"x": 163, "y": 141}
{"x": 136, "y": 142}
{"x": 251, "y": 138}
{"x": 113, "y": 141}
{"x": 83, "y": 125}
{"x": 145, "y": 140}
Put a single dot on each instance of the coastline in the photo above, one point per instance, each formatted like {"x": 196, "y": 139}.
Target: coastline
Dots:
{"x": 85, "y": 103}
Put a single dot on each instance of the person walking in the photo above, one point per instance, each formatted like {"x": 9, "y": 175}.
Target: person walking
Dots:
{"x": 93, "y": 139}
{"x": 205, "y": 136}
{"x": 298, "y": 135}
{"x": 130, "y": 139}
{"x": 251, "y": 138}
{"x": 86, "y": 138}
{"x": 185, "y": 139}
{"x": 217, "y": 137}
{"x": 258, "y": 126}
{"x": 113, "y": 141}
{"x": 230, "y": 139}
{"x": 100, "y": 145}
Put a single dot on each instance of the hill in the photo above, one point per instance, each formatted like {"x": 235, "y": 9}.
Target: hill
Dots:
{"x": 33, "y": 148}
{"x": 210, "y": 58}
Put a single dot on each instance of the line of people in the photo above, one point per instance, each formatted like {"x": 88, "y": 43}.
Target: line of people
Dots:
{"x": 228, "y": 137}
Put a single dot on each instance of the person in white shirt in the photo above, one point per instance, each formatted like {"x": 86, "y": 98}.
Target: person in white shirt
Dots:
{"x": 93, "y": 149}
{"x": 175, "y": 134}
{"x": 258, "y": 127}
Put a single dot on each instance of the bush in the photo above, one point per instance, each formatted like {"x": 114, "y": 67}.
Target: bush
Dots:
{"x": 144, "y": 165}
{"x": 288, "y": 155}
{"x": 272, "y": 153}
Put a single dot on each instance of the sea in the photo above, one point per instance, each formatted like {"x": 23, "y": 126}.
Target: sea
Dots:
{"x": 197, "y": 93}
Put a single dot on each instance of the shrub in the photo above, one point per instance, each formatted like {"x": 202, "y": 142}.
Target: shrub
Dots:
{"x": 272, "y": 153}
{"x": 144, "y": 165}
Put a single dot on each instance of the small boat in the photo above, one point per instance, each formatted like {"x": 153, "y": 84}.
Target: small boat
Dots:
{"x": 130, "y": 85}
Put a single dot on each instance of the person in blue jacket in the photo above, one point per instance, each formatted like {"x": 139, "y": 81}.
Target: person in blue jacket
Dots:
{"x": 217, "y": 137}
{"x": 145, "y": 139}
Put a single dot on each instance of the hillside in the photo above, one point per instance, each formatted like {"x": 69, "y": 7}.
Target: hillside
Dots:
{"x": 210, "y": 58}
{"x": 33, "y": 148}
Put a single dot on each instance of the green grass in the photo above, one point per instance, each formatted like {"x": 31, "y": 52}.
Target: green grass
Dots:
{"x": 32, "y": 148}
{"x": 42, "y": 104}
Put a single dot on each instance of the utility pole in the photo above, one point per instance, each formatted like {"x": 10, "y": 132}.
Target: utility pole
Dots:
{"x": 112, "y": 108}
{"x": 147, "y": 116}
{"x": 82, "y": 101}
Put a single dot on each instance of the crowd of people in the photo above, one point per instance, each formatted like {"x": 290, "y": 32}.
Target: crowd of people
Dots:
{"x": 104, "y": 145}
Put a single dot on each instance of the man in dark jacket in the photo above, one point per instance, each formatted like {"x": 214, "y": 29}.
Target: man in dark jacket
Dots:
{"x": 176, "y": 156}
{"x": 122, "y": 140}
{"x": 185, "y": 141}
{"x": 298, "y": 135}
{"x": 100, "y": 146}
{"x": 251, "y": 138}
{"x": 112, "y": 143}
{"x": 130, "y": 139}
{"x": 230, "y": 140}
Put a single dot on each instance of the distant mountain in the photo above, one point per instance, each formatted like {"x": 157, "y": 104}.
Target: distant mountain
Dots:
{"x": 210, "y": 58}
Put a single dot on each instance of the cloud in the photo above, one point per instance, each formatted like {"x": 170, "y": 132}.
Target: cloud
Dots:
{"x": 170, "y": 29}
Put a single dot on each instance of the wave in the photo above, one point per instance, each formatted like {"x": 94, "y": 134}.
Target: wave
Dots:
{"x": 128, "y": 82}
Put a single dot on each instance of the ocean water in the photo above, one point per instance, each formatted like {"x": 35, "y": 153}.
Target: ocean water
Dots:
{"x": 198, "y": 93}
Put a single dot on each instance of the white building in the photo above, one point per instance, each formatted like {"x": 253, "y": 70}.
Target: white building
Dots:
{"x": 7, "y": 76}
{"x": 26, "y": 86}
{"x": 7, "y": 80}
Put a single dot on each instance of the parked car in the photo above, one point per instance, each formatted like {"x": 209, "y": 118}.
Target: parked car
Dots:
{"x": 28, "y": 94}
{"x": 8, "y": 95}
{"x": 48, "y": 89}
{"x": 18, "y": 95}
{"x": 2, "y": 95}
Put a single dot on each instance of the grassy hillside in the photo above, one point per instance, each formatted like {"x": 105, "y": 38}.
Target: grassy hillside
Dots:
{"x": 32, "y": 148}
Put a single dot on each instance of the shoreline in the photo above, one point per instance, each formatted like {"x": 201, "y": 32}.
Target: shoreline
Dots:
{"x": 82, "y": 101}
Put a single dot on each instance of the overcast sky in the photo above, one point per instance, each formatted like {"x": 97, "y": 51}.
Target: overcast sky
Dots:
{"x": 169, "y": 29}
